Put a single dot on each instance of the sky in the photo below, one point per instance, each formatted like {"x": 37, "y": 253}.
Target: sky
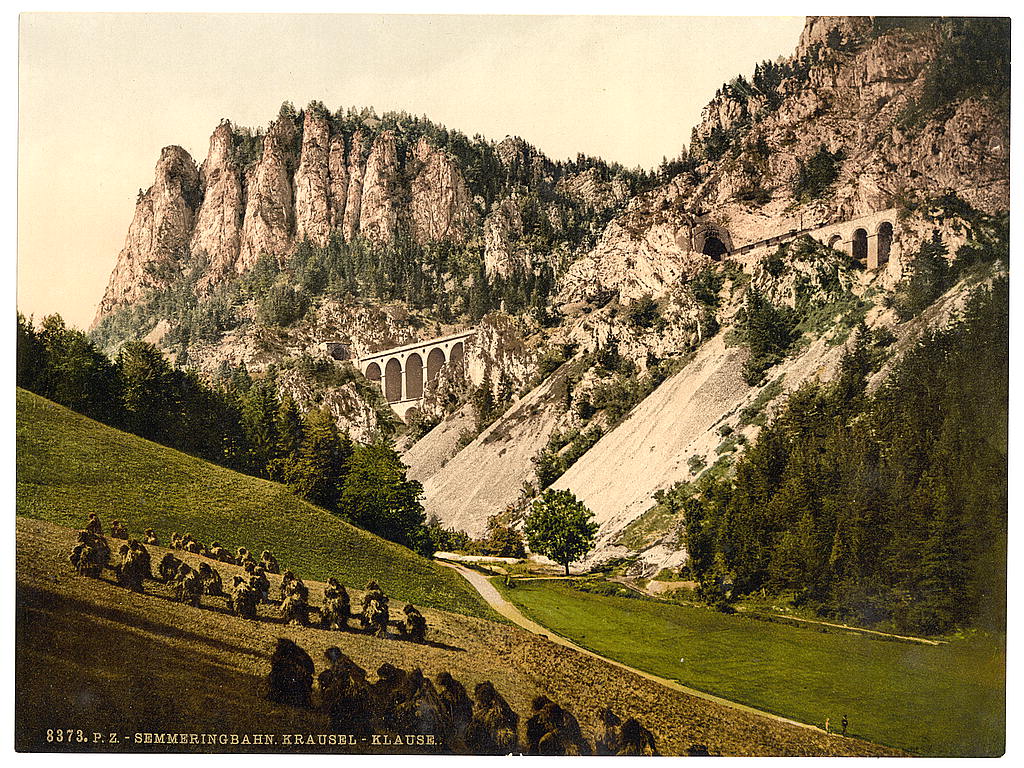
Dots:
{"x": 101, "y": 94}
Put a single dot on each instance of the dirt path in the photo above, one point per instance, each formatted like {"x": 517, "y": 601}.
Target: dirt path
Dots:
{"x": 908, "y": 638}
{"x": 510, "y": 612}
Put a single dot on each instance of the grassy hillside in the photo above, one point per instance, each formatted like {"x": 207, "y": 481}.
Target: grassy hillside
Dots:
{"x": 931, "y": 700}
{"x": 94, "y": 656}
{"x": 69, "y": 466}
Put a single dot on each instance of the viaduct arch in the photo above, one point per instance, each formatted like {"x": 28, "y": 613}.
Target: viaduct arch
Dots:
{"x": 871, "y": 239}
{"x": 404, "y": 373}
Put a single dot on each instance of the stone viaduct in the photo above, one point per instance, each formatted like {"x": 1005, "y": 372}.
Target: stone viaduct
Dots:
{"x": 403, "y": 373}
{"x": 869, "y": 239}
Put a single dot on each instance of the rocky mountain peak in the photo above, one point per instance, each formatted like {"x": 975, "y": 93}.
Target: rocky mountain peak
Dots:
{"x": 313, "y": 181}
{"x": 268, "y": 227}
{"x": 159, "y": 234}
{"x": 441, "y": 207}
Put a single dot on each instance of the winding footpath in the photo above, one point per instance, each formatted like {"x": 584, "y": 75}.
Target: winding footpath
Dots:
{"x": 513, "y": 614}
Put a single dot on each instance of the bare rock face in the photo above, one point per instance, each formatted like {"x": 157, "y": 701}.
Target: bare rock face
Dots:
{"x": 349, "y": 410}
{"x": 441, "y": 207}
{"x": 158, "y": 238}
{"x": 818, "y": 28}
{"x": 590, "y": 189}
{"x": 218, "y": 229}
{"x": 504, "y": 255}
{"x": 356, "y": 169}
{"x": 378, "y": 217}
{"x": 269, "y": 211}
{"x": 312, "y": 181}
{"x": 498, "y": 353}
{"x": 628, "y": 263}
{"x": 338, "y": 174}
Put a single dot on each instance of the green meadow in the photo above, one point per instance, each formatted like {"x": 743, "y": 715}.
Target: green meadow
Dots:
{"x": 944, "y": 700}
{"x": 69, "y": 465}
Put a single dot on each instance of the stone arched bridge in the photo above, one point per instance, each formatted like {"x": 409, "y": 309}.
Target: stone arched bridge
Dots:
{"x": 869, "y": 239}
{"x": 403, "y": 373}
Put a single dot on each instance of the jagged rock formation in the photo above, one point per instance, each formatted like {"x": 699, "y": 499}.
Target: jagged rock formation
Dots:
{"x": 218, "y": 229}
{"x": 269, "y": 210}
{"x": 356, "y": 168}
{"x": 158, "y": 237}
{"x": 441, "y": 207}
{"x": 504, "y": 254}
{"x": 337, "y": 170}
{"x": 378, "y": 216}
{"x": 313, "y": 183}
{"x": 631, "y": 261}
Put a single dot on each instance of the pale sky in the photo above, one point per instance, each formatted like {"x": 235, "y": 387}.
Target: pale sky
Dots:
{"x": 101, "y": 94}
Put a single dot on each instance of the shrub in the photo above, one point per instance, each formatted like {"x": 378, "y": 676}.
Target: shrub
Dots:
{"x": 282, "y": 305}
{"x": 817, "y": 174}
{"x": 643, "y": 313}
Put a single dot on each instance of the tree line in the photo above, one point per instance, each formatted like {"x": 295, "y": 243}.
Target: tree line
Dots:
{"x": 240, "y": 422}
{"x": 886, "y": 508}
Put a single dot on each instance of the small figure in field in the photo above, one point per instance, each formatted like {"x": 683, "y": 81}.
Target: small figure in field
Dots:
{"x": 269, "y": 562}
{"x": 244, "y": 558}
{"x": 217, "y": 552}
{"x": 167, "y": 570}
{"x": 637, "y": 740}
{"x": 828, "y": 728}
{"x": 118, "y": 531}
{"x": 345, "y": 695}
{"x": 94, "y": 526}
{"x": 190, "y": 587}
{"x": 387, "y": 693}
{"x": 415, "y": 627}
{"x": 243, "y": 599}
{"x": 458, "y": 708}
{"x": 493, "y": 727}
{"x": 258, "y": 581}
{"x": 375, "y": 610}
{"x": 176, "y": 540}
{"x": 134, "y": 566}
{"x": 420, "y": 709}
{"x": 90, "y": 555}
{"x": 335, "y": 611}
{"x": 150, "y": 538}
{"x": 552, "y": 730}
{"x": 845, "y": 724}
{"x": 294, "y": 601}
{"x": 291, "y": 675}
{"x": 286, "y": 579}
{"x": 210, "y": 580}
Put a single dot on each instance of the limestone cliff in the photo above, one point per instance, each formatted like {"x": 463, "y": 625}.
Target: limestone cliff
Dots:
{"x": 158, "y": 238}
{"x": 269, "y": 222}
{"x": 218, "y": 229}
{"x": 441, "y": 206}
{"x": 851, "y": 89}
{"x": 505, "y": 254}
{"x": 337, "y": 170}
{"x": 313, "y": 193}
{"x": 378, "y": 214}
{"x": 356, "y": 168}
